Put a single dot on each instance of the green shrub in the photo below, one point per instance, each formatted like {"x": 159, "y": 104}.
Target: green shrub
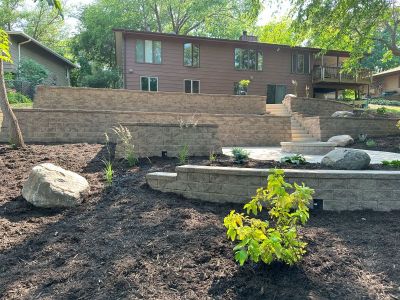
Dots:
{"x": 108, "y": 171}
{"x": 212, "y": 157}
{"x": 297, "y": 159}
{"x": 240, "y": 155}
{"x": 391, "y": 163}
{"x": 370, "y": 143}
{"x": 16, "y": 97}
{"x": 384, "y": 102}
{"x": 183, "y": 155}
{"x": 32, "y": 71}
{"x": 381, "y": 110}
{"x": 275, "y": 239}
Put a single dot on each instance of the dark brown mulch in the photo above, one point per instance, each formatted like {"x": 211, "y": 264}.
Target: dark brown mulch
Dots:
{"x": 129, "y": 242}
{"x": 389, "y": 144}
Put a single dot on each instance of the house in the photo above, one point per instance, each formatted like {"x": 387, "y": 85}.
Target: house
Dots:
{"x": 153, "y": 61}
{"x": 22, "y": 46}
{"x": 386, "y": 84}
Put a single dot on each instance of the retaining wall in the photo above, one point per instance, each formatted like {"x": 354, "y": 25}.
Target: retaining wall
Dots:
{"x": 152, "y": 139}
{"x": 127, "y": 100}
{"x": 324, "y": 128}
{"x": 313, "y": 106}
{"x": 76, "y": 126}
{"x": 339, "y": 190}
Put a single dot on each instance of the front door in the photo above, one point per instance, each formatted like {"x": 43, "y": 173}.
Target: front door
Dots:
{"x": 275, "y": 93}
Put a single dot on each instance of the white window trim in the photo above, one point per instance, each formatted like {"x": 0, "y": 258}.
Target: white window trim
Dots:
{"x": 140, "y": 82}
{"x": 191, "y": 86}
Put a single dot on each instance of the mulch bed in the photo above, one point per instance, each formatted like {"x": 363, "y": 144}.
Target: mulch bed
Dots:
{"x": 389, "y": 144}
{"x": 129, "y": 242}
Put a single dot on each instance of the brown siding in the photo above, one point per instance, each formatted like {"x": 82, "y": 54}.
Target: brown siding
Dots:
{"x": 216, "y": 73}
{"x": 12, "y": 67}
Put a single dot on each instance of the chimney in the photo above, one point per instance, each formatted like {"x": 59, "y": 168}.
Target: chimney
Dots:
{"x": 248, "y": 38}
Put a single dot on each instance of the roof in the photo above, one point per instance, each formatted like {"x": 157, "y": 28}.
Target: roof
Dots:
{"x": 387, "y": 72}
{"x": 47, "y": 49}
{"x": 201, "y": 38}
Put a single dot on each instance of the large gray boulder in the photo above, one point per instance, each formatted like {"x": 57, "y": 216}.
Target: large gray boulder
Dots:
{"x": 343, "y": 114}
{"x": 51, "y": 186}
{"x": 346, "y": 159}
{"x": 341, "y": 140}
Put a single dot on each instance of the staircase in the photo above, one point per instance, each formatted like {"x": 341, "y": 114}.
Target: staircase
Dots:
{"x": 299, "y": 134}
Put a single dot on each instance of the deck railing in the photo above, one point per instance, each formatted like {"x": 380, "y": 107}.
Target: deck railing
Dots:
{"x": 337, "y": 74}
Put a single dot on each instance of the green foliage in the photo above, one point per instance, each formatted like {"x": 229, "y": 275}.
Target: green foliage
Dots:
{"x": 244, "y": 83}
{"x": 381, "y": 110}
{"x": 398, "y": 125}
{"x": 240, "y": 155}
{"x": 183, "y": 155}
{"x": 278, "y": 31}
{"x": 213, "y": 157}
{"x": 16, "y": 97}
{"x": 297, "y": 159}
{"x": 391, "y": 163}
{"x": 4, "y": 47}
{"x": 370, "y": 143}
{"x": 276, "y": 239}
{"x": 101, "y": 78}
{"x": 108, "y": 171}
{"x": 384, "y": 102}
{"x": 32, "y": 71}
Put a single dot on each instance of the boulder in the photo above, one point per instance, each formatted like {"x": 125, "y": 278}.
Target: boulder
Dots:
{"x": 346, "y": 159}
{"x": 341, "y": 140}
{"x": 342, "y": 114}
{"x": 51, "y": 186}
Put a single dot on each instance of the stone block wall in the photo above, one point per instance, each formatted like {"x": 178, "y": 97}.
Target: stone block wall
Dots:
{"x": 313, "y": 106}
{"x": 75, "y": 126}
{"x": 324, "y": 128}
{"x": 152, "y": 139}
{"x": 127, "y": 100}
{"x": 339, "y": 190}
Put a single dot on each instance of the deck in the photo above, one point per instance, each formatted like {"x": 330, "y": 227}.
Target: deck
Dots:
{"x": 339, "y": 75}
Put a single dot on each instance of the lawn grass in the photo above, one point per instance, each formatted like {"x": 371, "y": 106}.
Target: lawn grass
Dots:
{"x": 390, "y": 109}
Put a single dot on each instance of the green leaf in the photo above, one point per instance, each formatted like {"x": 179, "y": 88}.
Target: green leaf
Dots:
{"x": 241, "y": 256}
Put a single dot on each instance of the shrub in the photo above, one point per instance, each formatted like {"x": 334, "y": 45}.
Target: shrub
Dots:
{"x": 275, "y": 239}
{"x": 108, "y": 171}
{"x": 32, "y": 71}
{"x": 16, "y": 97}
{"x": 240, "y": 155}
{"x": 384, "y": 102}
{"x": 297, "y": 159}
{"x": 370, "y": 143}
{"x": 381, "y": 110}
{"x": 212, "y": 157}
{"x": 183, "y": 155}
{"x": 391, "y": 163}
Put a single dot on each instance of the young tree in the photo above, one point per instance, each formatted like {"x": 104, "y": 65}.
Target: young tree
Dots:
{"x": 15, "y": 132}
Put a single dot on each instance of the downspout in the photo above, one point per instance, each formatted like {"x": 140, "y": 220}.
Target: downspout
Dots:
{"x": 19, "y": 50}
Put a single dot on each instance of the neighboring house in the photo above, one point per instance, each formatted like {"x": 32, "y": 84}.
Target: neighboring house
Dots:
{"x": 167, "y": 62}
{"x": 386, "y": 84}
{"x": 22, "y": 46}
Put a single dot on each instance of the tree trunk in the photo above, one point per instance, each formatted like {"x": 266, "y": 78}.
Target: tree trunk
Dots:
{"x": 14, "y": 130}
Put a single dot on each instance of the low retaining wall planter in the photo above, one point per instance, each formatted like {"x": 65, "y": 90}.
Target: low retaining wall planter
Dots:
{"x": 339, "y": 190}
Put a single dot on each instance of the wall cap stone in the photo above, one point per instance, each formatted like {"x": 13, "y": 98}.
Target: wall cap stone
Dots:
{"x": 156, "y": 124}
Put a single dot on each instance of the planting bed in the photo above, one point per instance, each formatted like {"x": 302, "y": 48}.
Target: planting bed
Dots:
{"x": 128, "y": 241}
{"x": 389, "y": 144}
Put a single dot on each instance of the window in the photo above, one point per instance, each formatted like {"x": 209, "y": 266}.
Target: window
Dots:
{"x": 149, "y": 84}
{"x": 148, "y": 51}
{"x": 300, "y": 63}
{"x": 191, "y": 55}
{"x": 192, "y": 86}
{"x": 239, "y": 89}
{"x": 248, "y": 59}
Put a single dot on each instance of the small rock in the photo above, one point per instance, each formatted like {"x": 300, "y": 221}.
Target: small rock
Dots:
{"x": 50, "y": 186}
{"x": 346, "y": 159}
{"x": 341, "y": 140}
{"x": 342, "y": 114}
